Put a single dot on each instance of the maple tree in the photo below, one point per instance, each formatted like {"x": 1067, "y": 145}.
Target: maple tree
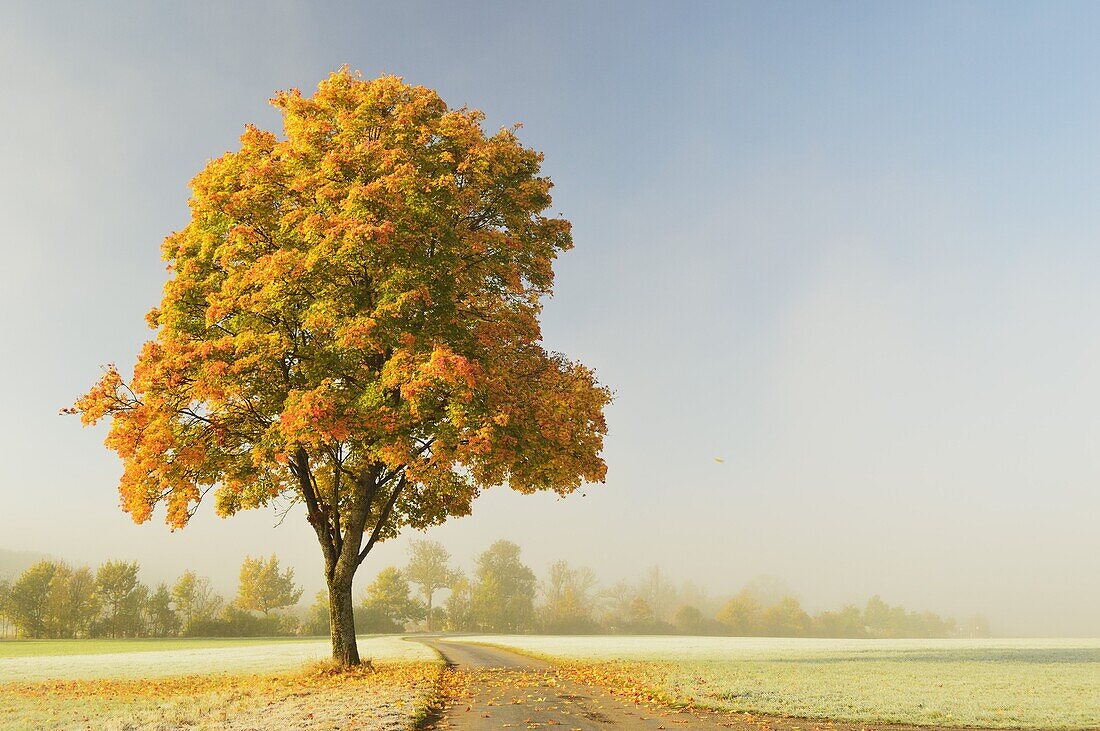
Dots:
{"x": 353, "y": 325}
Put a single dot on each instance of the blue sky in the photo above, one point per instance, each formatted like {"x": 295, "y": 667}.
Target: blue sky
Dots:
{"x": 850, "y": 248}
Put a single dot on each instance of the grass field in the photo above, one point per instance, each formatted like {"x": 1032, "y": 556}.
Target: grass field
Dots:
{"x": 40, "y": 648}
{"x": 126, "y": 685}
{"x": 75, "y": 660}
{"x": 212, "y": 684}
{"x": 987, "y": 683}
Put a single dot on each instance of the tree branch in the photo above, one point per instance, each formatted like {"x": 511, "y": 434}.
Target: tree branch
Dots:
{"x": 382, "y": 518}
{"x": 300, "y": 467}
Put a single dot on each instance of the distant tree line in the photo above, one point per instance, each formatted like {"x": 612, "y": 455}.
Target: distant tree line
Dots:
{"x": 54, "y": 600}
{"x": 502, "y": 594}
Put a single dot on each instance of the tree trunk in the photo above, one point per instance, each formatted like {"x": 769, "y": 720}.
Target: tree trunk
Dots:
{"x": 430, "y": 610}
{"x": 341, "y": 539}
{"x": 341, "y": 622}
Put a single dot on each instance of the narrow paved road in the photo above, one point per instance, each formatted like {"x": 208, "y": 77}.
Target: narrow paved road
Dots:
{"x": 490, "y": 688}
{"x": 466, "y": 656}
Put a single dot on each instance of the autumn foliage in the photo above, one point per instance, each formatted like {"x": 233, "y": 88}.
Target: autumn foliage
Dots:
{"x": 352, "y": 324}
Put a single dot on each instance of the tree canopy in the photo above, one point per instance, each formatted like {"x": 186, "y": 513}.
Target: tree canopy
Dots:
{"x": 504, "y": 596}
{"x": 263, "y": 586}
{"x": 389, "y": 604}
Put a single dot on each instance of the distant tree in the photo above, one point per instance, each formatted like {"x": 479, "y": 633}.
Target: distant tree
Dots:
{"x": 658, "y": 592}
{"x": 929, "y": 624}
{"x": 694, "y": 595}
{"x": 264, "y": 587}
{"x": 388, "y": 604}
{"x": 5, "y": 594}
{"x": 884, "y": 620}
{"x": 289, "y": 623}
{"x": 640, "y": 616}
{"x": 568, "y": 596}
{"x": 196, "y": 601}
{"x": 460, "y": 606}
{"x": 786, "y": 618}
{"x": 316, "y": 622}
{"x": 73, "y": 605}
{"x": 741, "y": 615}
{"x": 436, "y": 618}
{"x": 504, "y": 590}
{"x": 161, "y": 620}
{"x": 84, "y": 603}
{"x": 846, "y": 622}
{"x": 58, "y": 610}
{"x": 233, "y": 621}
{"x": 689, "y": 620}
{"x": 880, "y": 619}
{"x": 616, "y": 600}
{"x": 27, "y": 603}
{"x": 122, "y": 597}
{"x": 183, "y": 592}
{"x": 353, "y": 323}
{"x": 976, "y": 626}
{"x": 429, "y": 569}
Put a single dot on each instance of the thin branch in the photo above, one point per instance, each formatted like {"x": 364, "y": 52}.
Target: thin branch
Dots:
{"x": 284, "y": 512}
{"x": 382, "y": 518}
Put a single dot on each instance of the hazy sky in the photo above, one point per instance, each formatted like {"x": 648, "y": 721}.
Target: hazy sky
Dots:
{"x": 849, "y": 248}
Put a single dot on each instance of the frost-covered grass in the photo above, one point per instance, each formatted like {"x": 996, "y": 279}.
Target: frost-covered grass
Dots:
{"x": 260, "y": 687}
{"x": 39, "y": 648}
{"x": 1018, "y": 683}
{"x": 168, "y": 657}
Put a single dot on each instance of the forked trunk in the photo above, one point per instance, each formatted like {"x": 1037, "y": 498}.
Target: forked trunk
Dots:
{"x": 341, "y": 622}
{"x": 341, "y": 537}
